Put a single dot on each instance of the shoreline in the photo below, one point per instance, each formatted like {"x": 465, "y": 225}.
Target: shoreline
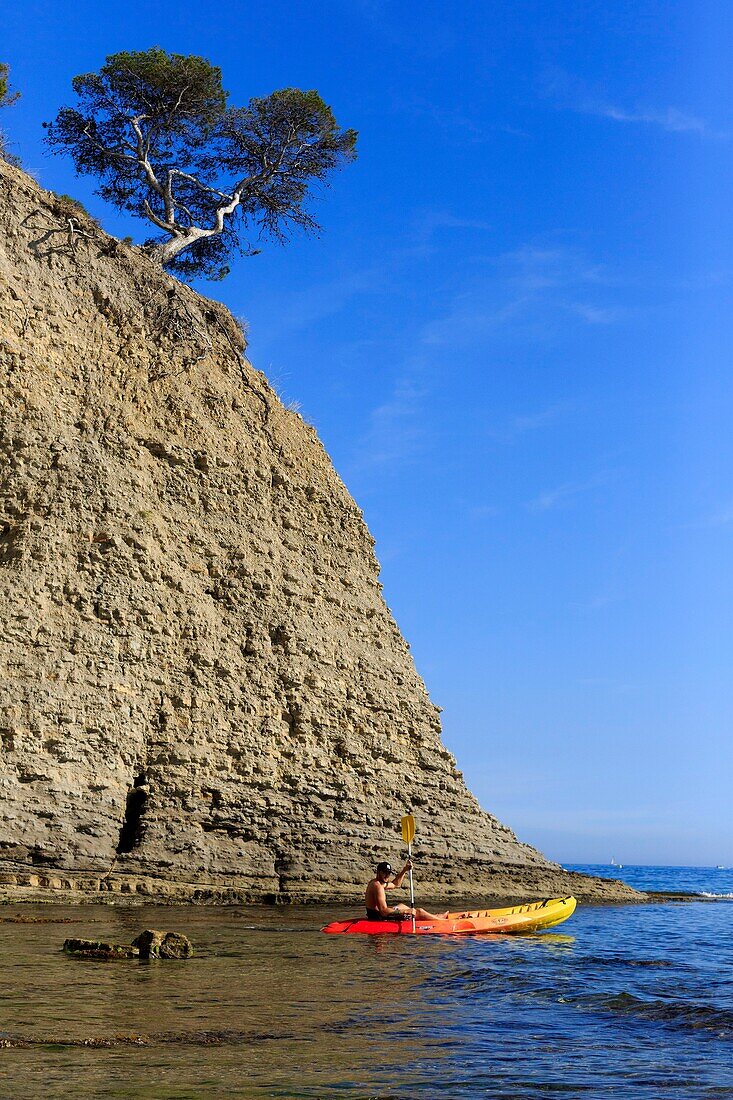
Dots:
{"x": 29, "y": 897}
{"x": 507, "y": 885}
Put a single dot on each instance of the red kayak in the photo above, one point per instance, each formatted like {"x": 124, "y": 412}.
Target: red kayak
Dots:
{"x": 533, "y": 916}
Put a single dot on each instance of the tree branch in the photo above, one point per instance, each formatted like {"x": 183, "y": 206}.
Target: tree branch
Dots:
{"x": 199, "y": 183}
{"x": 142, "y": 159}
{"x": 169, "y": 227}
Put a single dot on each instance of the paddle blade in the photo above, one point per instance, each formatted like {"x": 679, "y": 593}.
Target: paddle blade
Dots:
{"x": 408, "y": 828}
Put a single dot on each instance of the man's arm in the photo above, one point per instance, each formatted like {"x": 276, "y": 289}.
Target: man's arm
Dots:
{"x": 382, "y": 905}
{"x": 384, "y": 908}
{"x": 400, "y": 877}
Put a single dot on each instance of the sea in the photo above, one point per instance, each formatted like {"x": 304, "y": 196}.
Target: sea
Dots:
{"x": 621, "y": 1001}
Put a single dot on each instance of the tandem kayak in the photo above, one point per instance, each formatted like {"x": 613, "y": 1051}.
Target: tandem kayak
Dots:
{"x": 533, "y": 916}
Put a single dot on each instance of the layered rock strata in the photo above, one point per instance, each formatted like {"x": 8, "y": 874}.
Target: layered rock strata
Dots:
{"x": 202, "y": 690}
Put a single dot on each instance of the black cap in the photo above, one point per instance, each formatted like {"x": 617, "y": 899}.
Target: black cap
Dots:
{"x": 384, "y": 868}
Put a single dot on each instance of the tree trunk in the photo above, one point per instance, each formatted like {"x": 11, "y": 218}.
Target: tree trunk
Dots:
{"x": 167, "y": 251}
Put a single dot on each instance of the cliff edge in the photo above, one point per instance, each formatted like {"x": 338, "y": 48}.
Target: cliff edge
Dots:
{"x": 202, "y": 691}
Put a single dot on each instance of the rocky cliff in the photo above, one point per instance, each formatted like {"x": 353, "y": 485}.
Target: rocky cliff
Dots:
{"x": 202, "y": 691}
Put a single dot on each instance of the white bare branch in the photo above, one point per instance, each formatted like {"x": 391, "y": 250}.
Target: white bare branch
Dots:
{"x": 168, "y": 227}
{"x": 142, "y": 157}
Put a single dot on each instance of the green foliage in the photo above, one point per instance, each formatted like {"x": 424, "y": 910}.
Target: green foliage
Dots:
{"x": 64, "y": 206}
{"x": 156, "y": 130}
{"x": 7, "y": 98}
{"x": 179, "y": 90}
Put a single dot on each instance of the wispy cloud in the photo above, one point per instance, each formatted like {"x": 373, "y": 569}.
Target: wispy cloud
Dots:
{"x": 563, "y": 494}
{"x": 520, "y": 286}
{"x": 395, "y": 431}
{"x": 550, "y": 498}
{"x": 599, "y": 602}
{"x": 720, "y": 517}
{"x": 423, "y": 237}
{"x": 571, "y": 94}
{"x": 458, "y": 124}
{"x": 518, "y": 426}
{"x": 483, "y": 511}
{"x": 669, "y": 118}
{"x": 532, "y": 292}
{"x": 596, "y": 315}
{"x": 428, "y": 230}
{"x": 320, "y": 300}
{"x": 540, "y": 267}
{"x": 530, "y": 289}
{"x": 530, "y": 421}
{"x": 468, "y": 318}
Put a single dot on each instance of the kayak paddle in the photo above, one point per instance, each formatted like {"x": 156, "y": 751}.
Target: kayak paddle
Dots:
{"x": 408, "y": 835}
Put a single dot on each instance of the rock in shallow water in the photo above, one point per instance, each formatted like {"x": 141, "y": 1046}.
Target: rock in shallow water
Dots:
{"x": 98, "y": 949}
{"x": 163, "y": 945}
{"x": 150, "y": 944}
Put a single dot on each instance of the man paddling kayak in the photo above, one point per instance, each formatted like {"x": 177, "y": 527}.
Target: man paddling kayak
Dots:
{"x": 376, "y": 897}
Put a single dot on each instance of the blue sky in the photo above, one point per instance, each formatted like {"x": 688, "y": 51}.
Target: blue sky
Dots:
{"x": 514, "y": 339}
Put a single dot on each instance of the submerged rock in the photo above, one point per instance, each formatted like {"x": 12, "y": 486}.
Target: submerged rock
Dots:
{"x": 98, "y": 949}
{"x": 150, "y": 944}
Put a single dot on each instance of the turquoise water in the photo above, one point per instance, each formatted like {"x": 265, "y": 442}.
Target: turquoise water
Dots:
{"x": 624, "y": 1001}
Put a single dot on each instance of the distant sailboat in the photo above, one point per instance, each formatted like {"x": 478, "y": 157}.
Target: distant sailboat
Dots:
{"x": 615, "y": 864}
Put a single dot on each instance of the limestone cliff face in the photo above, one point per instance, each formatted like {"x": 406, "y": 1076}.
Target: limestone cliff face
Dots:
{"x": 200, "y": 681}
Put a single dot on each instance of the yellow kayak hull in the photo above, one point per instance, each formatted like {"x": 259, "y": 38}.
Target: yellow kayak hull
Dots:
{"x": 533, "y": 916}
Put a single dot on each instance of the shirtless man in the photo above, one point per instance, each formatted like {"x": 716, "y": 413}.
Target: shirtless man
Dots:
{"x": 376, "y": 897}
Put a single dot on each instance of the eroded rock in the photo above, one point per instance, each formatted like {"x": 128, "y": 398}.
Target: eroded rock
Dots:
{"x": 163, "y": 945}
{"x": 150, "y": 944}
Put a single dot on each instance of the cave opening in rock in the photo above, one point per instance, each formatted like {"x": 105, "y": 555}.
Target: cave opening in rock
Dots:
{"x": 132, "y": 826}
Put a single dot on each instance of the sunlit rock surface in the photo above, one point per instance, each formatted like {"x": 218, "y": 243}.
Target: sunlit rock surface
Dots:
{"x": 202, "y": 691}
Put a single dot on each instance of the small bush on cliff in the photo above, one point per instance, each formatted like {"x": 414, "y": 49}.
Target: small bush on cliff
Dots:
{"x": 157, "y": 131}
{"x": 7, "y": 98}
{"x": 67, "y": 207}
